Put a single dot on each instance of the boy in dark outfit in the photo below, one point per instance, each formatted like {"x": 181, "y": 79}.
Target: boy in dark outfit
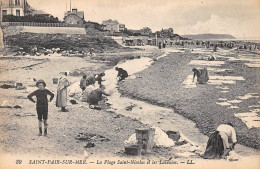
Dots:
{"x": 41, "y": 104}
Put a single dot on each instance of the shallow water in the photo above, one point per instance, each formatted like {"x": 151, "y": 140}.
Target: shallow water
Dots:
{"x": 254, "y": 60}
{"x": 251, "y": 119}
{"x": 223, "y": 103}
{"x": 248, "y": 96}
{"x": 200, "y": 51}
{"x": 206, "y": 63}
{"x": 153, "y": 115}
{"x": 218, "y": 81}
{"x": 253, "y": 64}
{"x": 234, "y": 101}
{"x": 222, "y": 99}
{"x": 213, "y": 80}
{"x": 216, "y": 69}
{"x": 233, "y": 107}
{"x": 149, "y": 114}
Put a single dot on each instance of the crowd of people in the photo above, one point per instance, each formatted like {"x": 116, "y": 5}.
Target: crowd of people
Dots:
{"x": 218, "y": 145}
{"x": 208, "y": 44}
{"x": 90, "y": 94}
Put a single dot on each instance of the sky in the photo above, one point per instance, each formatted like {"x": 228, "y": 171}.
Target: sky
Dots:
{"x": 240, "y": 18}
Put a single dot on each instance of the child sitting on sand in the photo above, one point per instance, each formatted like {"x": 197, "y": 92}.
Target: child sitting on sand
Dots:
{"x": 41, "y": 104}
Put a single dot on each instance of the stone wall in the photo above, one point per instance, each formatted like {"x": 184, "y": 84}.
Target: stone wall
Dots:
{"x": 1, "y": 41}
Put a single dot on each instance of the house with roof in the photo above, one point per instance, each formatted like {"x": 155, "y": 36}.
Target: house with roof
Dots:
{"x": 113, "y": 25}
{"x": 40, "y": 13}
{"x": 74, "y": 17}
{"x": 13, "y": 7}
{"x": 165, "y": 33}
{"x": 19, "y": 8}
{"x": 121, "y": 27}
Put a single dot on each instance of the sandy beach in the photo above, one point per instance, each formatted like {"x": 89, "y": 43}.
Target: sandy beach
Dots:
{"x": 19, "y": 126}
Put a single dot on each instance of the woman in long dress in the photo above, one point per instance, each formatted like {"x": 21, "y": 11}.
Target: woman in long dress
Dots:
{"x": 61, "y": 100}
{"x": 218, "y": 145}
{"x": 202, "y": 75}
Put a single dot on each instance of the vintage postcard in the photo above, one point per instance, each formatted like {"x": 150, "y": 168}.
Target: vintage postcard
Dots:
{"x": 129, "y": 84}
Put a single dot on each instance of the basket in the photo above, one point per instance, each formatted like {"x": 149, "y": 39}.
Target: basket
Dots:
{"x": 133, "y": 150}
{"x": 175, "y": 136}
{"x": 144, "y": 137}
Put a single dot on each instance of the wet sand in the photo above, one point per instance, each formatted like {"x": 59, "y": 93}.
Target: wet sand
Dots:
{"x": 164, "y": 84}
{"x": 19, "y": 126}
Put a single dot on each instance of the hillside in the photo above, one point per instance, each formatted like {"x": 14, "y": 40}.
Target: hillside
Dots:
{"x": 76, "y": 39}
{"x": 209, "y": 36}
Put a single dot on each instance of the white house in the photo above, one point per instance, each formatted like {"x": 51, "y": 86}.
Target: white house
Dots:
{"x": 13, "y": 7}
{"x": 113, "y": 25}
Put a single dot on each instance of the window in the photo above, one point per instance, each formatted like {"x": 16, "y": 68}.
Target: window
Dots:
{"x": 4, "y": 12}
{"x": 18, "y": 13}
{"x": 17, "y": 2}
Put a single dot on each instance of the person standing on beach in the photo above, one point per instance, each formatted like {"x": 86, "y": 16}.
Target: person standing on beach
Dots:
{"x": 41, "y": 104}
{"x": 83, "y": 82}
{"x": 218, "y": 145}
{"x": 160, "y": 45}
{"x": 61, "y": 100}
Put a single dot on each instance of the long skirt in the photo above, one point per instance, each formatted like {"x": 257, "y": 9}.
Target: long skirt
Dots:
{"x": 61, "y": 100}
{"x": 215, "y": 147}
{"x": 204, "y": 77}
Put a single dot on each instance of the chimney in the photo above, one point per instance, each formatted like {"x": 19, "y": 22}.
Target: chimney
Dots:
{"x": 74, "y": 10}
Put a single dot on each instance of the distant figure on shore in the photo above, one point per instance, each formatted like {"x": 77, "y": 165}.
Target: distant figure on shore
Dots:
{"x": 83, "y": 82}
{"x": 202, "y": 75}
{"x": 95, "y": 96}
{"x": 91, "y": 51}
{"x": 215, "y": 48}
{"x": 164, "y": 44}
{"x": 61, "y": 100}
{"x": 160, "y": 45}
{"x": 211, "y": 58}
{"x": 122, "y": 74}
{"x": 41, "y": 104}
{"x": 99, "y": 78}
{"x": 218, "y": 145}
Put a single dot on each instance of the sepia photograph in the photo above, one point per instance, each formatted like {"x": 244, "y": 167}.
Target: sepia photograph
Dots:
{"x": 129, "y": 84}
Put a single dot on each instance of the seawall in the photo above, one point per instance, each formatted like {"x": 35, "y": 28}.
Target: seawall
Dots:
{"x": 13, "y": 30}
